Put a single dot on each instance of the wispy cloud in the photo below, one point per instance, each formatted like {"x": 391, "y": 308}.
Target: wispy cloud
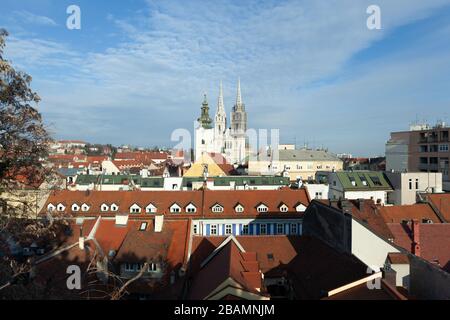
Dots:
{"x": 31, "y": 18}
{"x": 292, "y": 56}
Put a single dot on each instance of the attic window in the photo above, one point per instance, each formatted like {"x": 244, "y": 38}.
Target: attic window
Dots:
{"x": 284, "y": 208}
{"x": 191, "y": 208}
{"x": 376, "y": 180}
{"x": 104, "y": 207}
{"x": 262, "y": 208}
{"x": 84, "y": 207}
{"x": 270, "y": 257}
{"x": 75, "y": 207}
{"x": 143, "y": 226}
{"x": 217, "y": 208}
{"x": 114, "y": 207}
{"x": 239, "y": 209}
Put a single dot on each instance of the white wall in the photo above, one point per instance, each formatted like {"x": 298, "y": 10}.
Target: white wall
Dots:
{"x": 312, "y": 189}
{"x": 368, "y": 247}
{"x": 375, "y": 195}
{"x": 109, "y": 168}
{"x": 403, "y": 195}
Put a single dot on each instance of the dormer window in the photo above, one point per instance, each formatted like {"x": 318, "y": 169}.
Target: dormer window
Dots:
{"x": 104, "y": 207}
{"x": 190, "y": 208}
{"x": 175, "y": 208}
{"x": 50, "y": 207}
{"x": 150, "y": 208}
{"x": 75, "y": 207}
{"x": 114, "y": 207}
{"x": 239, "y": 208}
{"x": 300, "y": 207}
{"x": 84, "y": 207}
{"x": 217, "y": 208}
{"x": 61, "y": 207}
{"x": 284, "y": 208}
{"x": 262, "y": 208}
{"x": 135, "y": 209}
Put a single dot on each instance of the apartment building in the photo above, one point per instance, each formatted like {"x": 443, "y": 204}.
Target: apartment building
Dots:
{"x": 423, "y": 148}
{"x": 297, "y": 164}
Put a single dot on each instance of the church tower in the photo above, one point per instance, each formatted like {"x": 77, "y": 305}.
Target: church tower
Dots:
{"x": 238, "y": 115}
{"x": 204, "y": 133}
{"x": 205, "y": 120}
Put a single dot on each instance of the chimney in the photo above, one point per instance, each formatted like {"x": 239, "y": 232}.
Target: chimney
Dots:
{"x": 81, "y": 239}
{"x": 159, "y": 221}
{"x": 360, "y": 204}
{"x": 415, "y": 226}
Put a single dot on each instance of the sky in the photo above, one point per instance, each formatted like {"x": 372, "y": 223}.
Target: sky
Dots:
{"x": 137, "y": 70}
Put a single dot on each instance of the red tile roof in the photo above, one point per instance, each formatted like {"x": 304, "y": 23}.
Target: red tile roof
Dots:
{"x": 303, "y": 260}
{"x": 434, "y": 241}
{"x": 364, "y": 211}
{"x": 442, "y": 203}
{"x": 397, "y": 214}
{"x": 398, "y": 258}
{"x": 202, "y": 200}
{"x": 228, "y": 262}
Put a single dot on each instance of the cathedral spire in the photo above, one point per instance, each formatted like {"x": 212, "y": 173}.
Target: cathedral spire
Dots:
{"x": 220, "y": 104}
{"x": 239, "y": 97}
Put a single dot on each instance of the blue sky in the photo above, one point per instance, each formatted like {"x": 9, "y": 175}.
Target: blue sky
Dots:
{"x": 137, "y": 69}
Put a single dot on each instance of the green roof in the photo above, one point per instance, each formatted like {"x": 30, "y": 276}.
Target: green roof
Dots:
{"x": 363, "y": 180}
{"x": 150, "y": 182}
{"x": 243, "y": 180}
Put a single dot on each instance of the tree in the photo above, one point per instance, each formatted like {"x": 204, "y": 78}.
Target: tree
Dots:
{"x": 24, "y": 143}
{"x": 24, "y": 140}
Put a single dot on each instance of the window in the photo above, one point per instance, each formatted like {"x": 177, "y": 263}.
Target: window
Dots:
{"x": 175, "y": 208}
{"x": 410, "y": 184}
{"x": 318, "y": 195}
{"x": 129, "y": 267}
{"x": 417, "y": 184}
{"x": 217, "y": 208}
{"x": 239, "y": 209}
{"x": 150, "y": 208}
{"x": 262, "y": 208}
{"x": 152, "y": 267}
{"x": 214, "y": 229}
{"x": 195, "y": 229}
{"x": 263, "y": 229}
{"x": 293, "y": 228}
{"x": 376, "y": 180}
{"x": 352, "y": 180}
{"x": 135, "y": 209}
{"x": 75, "y": 207}
{"x": 114, "y": 207}
{"x": 443, "y": 148}
{"x": 245, "y": 229}
{"x": 228, "y": 229}
{"x": 280, "y": 228}
{"x": 50, "y": 207}
{"x": 104, "y": 208}
{"x": 284, "y": 208}
{"x": 143, "y": 226}
{"x": 191, "y": 208}
{"x": 363, "y": 180}
{"x": 61, "y": 207}
{"x": 84, "y": 207}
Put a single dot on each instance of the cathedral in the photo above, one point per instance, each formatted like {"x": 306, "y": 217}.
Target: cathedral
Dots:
{"x": 231, "y": 142}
